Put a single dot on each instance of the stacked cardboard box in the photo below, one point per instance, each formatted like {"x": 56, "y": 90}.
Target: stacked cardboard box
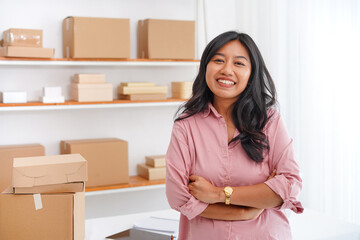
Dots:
{"x": 141, "y": 91}
{"x": 46, "y": 199}
{"x": 8, "y": 153}
{"x": 181, "y": 90}
{"x": 166, "y": 39}
{"x": 91, "y": 88}
{"x": 154, "y": 168}
{"x": 24, "y": 43}
{"x": 87, "y": 37}
{"x": 107, "y": 159}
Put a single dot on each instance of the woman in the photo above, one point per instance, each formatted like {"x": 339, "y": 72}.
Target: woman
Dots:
{"x": 230, "y": 163}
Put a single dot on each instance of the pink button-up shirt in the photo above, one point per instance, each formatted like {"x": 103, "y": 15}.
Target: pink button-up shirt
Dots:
{"x": 199, "y": 146}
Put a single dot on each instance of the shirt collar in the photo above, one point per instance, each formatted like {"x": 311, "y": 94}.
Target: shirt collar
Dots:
{"x": 210, "y": 109}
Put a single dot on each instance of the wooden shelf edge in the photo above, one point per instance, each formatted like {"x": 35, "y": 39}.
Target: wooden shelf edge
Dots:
{"x": 69, "y": 103}
{"x": 96, "y": 59}
{"x": 134, "y": 181}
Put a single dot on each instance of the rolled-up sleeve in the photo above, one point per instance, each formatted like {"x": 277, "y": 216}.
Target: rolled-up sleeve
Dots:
{"x": 178, "y": 169}
{"x": 287, "y": 183}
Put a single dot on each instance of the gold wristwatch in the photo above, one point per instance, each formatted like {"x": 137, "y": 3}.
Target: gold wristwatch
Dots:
{"x": 228, "y": 191}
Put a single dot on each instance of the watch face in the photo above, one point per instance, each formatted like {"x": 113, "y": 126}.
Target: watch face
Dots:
{"x": 228, "y": 190}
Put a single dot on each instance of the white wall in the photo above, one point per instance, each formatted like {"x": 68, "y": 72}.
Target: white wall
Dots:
{"x": 146, "y": 129}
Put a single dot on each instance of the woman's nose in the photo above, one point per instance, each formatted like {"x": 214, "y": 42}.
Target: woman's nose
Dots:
{"x": 227, "y": 68}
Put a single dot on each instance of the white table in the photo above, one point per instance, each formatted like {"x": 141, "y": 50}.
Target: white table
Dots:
{"x": 309, "y": 225}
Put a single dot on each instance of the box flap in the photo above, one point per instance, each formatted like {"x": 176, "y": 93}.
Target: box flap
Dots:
{"x": 45, "y": 170}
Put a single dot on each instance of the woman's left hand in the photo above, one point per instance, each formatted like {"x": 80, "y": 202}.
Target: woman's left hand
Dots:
{"x": 203, "y": 190}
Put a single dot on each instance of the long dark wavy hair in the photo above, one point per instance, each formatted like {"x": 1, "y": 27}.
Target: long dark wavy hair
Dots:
{"x": 250, "y": 113}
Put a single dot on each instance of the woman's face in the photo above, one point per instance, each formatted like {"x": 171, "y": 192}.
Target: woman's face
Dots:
{"x": 228, "y": 72}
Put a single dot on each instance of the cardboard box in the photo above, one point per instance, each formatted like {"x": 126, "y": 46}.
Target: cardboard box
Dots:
{"x": 182, "y": 90}
{"x": 89, "y": 78}
{"x": 33, "y": 52}
{"x": 151, "y": 173}
{"x": 7, "y": 153}
{"x": 142, "y": 97}
{"x": 52, "y": 188}
{"x": 62, "y": 216}
{"x": 142, "y": 90}
{"x": 23, "y": 37}
{"x": 88, "y": 92}
{"x": 137, "y": 84}
{"x": 45, "y": 170}
{"x": 155, "y": 161}
{"x": 108, "y": 161}
{"x": 14, "y": 97}
{"x": 166, "y": 39}
{"x": 85, "y": 37}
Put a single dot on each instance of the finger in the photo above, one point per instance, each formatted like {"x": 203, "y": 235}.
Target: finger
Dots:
{"x": 193, "y": 178}
{"x": 272, "y": 174}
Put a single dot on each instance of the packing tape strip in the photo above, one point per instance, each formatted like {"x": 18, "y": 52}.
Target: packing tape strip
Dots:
{"x": 37, "y": 201}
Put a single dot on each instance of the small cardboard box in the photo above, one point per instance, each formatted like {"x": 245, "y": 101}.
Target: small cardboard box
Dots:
{"x": 151, "y": 173}
{"x": 62, "y": 216}
{"x": 92, "y": 92}
{"x": 89, "y": 78}
{"x": 182, "y": 90}
{"x": 23, "y": 37}
{"x": 33, "y": 52}
{"x": 85, "y": 37}
{"x": 142, "y": 90}
{"x": 166, "y": 39}
{"x": 52, "y": 188}
{"x": 45, "y": 170}
{"x": 155, "y": 161}
{"x": 108, "y": 161}
{"x": 8, "y": 153}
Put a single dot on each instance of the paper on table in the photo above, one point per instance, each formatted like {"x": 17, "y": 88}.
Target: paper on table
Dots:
{"x": 158, "y": 224}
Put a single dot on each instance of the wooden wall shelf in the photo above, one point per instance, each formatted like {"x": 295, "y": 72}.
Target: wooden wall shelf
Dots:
{"x": 134, "y": 182}
{"x": 87, "y": 105}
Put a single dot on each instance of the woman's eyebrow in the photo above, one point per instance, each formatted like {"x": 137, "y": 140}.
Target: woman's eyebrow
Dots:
{"x": 220, "y": 54}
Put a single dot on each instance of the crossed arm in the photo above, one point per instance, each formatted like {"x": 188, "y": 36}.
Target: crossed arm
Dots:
{"x": 248, "y": 202}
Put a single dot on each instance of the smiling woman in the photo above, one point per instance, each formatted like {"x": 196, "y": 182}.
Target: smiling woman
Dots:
{"x": 230, "y": 163}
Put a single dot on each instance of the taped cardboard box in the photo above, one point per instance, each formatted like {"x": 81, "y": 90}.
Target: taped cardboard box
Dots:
{"x": 8, "y": 153}
{"x": 45, "y": 170}
{"x": 62, "y": 216}
{"x": 155, "y": 161}
{"x": 33, "y": 52}
{"x": 166, "y": 39}
{"x": 89, "y": 78}
{"x": 23, "y": 37}
{"x": 108, "y": 161}
{"x": 151, "y": 173}
{"x": 92, "y": 92}
{"x": 86, "y": 37}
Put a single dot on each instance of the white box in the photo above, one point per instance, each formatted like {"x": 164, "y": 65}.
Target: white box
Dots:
{"x": 52, "y": 91}
{"x": 46, "y": 99}
{"x": 14, "y": 97}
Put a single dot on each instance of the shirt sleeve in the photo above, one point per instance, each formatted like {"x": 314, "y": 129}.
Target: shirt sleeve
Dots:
{"x": 178, "y": 169}
{"x": 287, "y": 182}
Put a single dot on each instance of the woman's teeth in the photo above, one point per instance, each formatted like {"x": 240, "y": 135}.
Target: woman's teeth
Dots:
{"x": 226, "y": 82}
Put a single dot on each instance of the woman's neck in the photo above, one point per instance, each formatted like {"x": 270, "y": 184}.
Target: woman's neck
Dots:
{"x": 224, "y": 108}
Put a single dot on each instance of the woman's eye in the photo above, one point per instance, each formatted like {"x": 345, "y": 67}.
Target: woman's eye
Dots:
{"x": 218, "y": 60}
{"x": 239, "y": 63}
